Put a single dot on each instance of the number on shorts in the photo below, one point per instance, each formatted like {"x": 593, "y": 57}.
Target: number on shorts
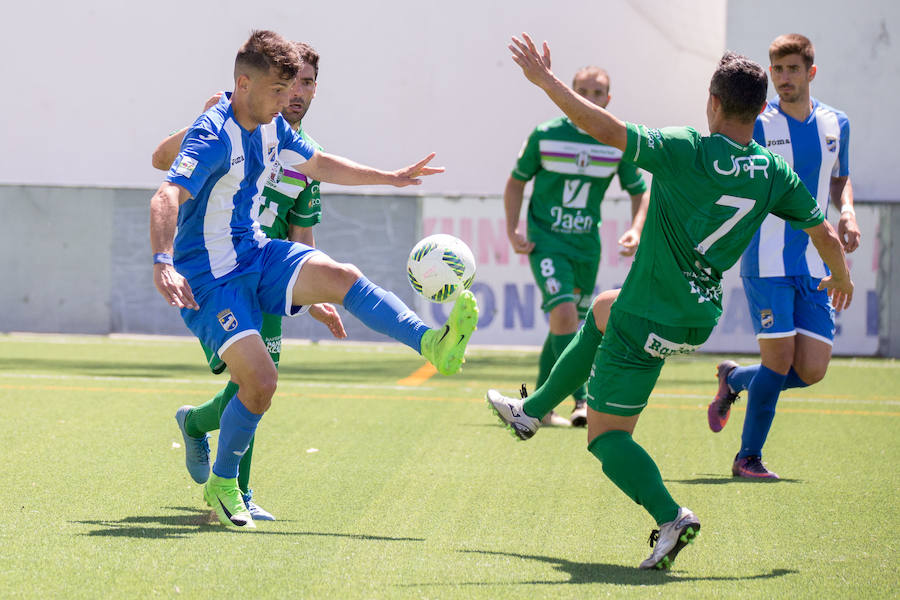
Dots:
{"x": 547, "y": 267}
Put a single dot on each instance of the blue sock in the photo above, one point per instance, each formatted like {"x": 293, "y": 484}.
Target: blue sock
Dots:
{"x": 762, "y": 396}
{"x": 793, "y": 380}
{"x": 236, "y": 429}
{"x": 739, "y": 379}
{"x": 382, "y": 311}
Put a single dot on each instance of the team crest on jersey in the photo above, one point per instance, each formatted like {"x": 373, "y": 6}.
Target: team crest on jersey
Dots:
{"x": 275, "y": 174}
{"x": 583, "y": 159}
{"x": 766, "y": 318}
{"x": 227, "y": 320}
{"x": 831, "y": 143}
{"x": 552, "y": 285}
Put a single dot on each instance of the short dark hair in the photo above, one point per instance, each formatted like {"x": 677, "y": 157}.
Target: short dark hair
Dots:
{"x": 740, "y": 84}
{"x": 593, "y": 71}
{"x": 308, "y": 55}
{"x": 265, "y": 50}
{"x": 793, "y": 43}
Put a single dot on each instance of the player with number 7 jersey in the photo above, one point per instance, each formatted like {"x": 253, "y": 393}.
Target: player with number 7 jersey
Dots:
{"x": 708, "y": 199}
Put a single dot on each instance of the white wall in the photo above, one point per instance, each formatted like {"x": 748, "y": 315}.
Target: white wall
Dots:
{"x": 858, "y": 72}
{"x": 92, "y": 86}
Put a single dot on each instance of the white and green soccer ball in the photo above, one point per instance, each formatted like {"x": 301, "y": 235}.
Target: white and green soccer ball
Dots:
{"x": 440, "y": 267}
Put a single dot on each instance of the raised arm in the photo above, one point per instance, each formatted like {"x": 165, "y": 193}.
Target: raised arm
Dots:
{"x": 829, "y": 247}
{"x": 596, "y": 121}
{"x": 343, "y": 171}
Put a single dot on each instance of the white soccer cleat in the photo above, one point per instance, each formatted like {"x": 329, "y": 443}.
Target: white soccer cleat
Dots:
{"x": 256, "y": 511}
{"x": 511, "y": 414}
{"x": 670, "y": 538}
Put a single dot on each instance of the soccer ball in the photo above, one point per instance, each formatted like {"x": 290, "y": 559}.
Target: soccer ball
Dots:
{"x": 440, "y": 267}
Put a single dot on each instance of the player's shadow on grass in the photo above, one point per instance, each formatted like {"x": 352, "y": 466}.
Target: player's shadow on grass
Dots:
{"x": 716, "y": 479}
{"x": 589, "y": 572}
{"x": 200, "y": 521}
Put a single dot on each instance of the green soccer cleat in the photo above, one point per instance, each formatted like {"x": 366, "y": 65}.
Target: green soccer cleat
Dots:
{"x": 225, "y": 497}
{"x": 445, "y": 347}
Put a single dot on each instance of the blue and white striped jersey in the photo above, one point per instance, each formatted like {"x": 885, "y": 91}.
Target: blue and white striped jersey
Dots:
{"x": 224, "y": 167}
{"x": 817, "y": 149}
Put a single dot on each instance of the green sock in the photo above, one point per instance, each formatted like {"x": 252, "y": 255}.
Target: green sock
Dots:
{"x": 205, "y": 418}
{"x": 630, "y": 467}
{"x": 243, "y": 477}
{"x": 570, "y": 371}
{"x": 560, "y": 342}
{"x": 545, "y": 362}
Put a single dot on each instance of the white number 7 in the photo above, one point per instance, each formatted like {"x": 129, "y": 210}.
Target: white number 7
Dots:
{"x": 743, "y": 206}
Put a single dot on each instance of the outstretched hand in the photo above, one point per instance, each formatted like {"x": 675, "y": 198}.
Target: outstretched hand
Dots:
{"x": 410, "y": 175}
{"x": 840, "y": 292}
{"x": 535, "y": 66}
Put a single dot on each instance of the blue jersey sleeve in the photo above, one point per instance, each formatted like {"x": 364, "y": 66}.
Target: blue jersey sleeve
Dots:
{"x": 843, "y": 163}
{"x": 202, "y": 154}
{"x": 293, "y": 149}
{"x": 759, "y": 133}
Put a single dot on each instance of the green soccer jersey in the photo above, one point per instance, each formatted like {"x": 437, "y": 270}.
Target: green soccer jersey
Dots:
{"x": 289, "y": 198}
{"x": 708, "y": 198}
{"x": 571, "y": 172}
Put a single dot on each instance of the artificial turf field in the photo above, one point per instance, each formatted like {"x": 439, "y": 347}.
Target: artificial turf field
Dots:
{"x": 390, "y": 487}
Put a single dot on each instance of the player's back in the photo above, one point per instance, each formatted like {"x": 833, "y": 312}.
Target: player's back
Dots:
{"x": 708, "y": 197}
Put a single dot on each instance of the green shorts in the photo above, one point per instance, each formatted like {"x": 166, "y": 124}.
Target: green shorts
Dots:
{"x": 562, "y": 279}
{"x": 630, "y": 358}
{"x": 271, "y": 336}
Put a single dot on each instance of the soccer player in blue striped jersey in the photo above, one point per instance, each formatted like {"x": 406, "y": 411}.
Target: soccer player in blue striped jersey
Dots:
{"x": 290, "y": 208}
{"x": 223, "y": 272}
{"x": 793, "y": 320}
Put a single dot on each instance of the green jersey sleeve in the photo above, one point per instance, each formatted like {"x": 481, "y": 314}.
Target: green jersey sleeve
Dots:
{"x": 795, "y": 204}
{"x": 664, "y": 152}
{"x": 307, "y": 208}
{"x": 529, "y": 161}
{"x": 631, "y": 179}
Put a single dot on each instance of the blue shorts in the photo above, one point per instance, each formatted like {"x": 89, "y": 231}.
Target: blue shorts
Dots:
{"x": 233, "y": 309}
{"x": 786, "y": 306}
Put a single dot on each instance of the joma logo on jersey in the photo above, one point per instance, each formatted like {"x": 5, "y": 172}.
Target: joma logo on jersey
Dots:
{"x": 746, "y": 164}
{"x": 227, "y": 320}
{"x": 777, "y": 142}
{"x": 663, "y": 348}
